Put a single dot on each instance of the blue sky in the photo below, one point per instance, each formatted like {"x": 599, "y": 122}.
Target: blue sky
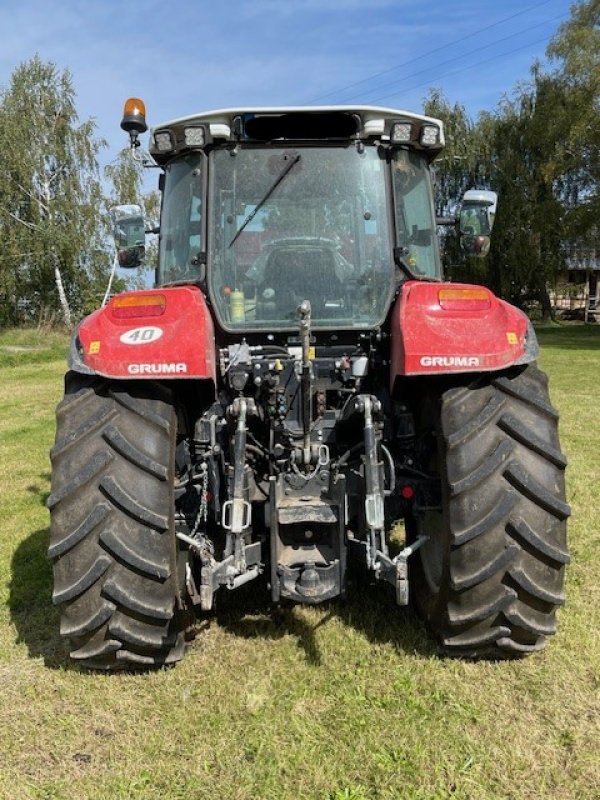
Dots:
{"x": 192, "y": 56}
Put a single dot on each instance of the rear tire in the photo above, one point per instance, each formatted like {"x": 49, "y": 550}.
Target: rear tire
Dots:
{"x": 112, "y": 537}
{"x": 491, "y": 576}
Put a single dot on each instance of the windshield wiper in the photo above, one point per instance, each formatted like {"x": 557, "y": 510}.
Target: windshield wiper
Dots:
{"x": 260, "y": 204}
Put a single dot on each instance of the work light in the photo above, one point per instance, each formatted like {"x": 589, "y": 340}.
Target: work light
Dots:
{"x": 194, "y": 136}
{"x": 429, "y": 135}
{"x": 163, "y": 141}
{"x": 401, "y": 132}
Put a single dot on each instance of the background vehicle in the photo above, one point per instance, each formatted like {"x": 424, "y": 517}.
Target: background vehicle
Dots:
{"x": 300, "y": 380}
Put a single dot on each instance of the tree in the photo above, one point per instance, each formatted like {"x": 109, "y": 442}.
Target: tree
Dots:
{"x": 540, "y": 150}
{"x": 576, "y": 52}
{"x": 50, "y": 195}
{"x": 527, "y": 246}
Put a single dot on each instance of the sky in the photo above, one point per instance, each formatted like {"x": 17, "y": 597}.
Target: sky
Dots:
{"x": 186, "y": 57}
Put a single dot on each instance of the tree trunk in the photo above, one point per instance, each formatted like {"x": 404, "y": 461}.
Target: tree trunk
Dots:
{"x": 593, "y": 289}
{"x": 64, "y": 303}
{"x": 546, "y": 305}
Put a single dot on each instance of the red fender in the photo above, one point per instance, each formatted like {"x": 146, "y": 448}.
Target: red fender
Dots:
{"x": 155, "y": 333}
{"x": 441, "y": 328}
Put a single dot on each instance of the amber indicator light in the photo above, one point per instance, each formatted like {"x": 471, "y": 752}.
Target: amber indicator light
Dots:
{"x": 464, "y": 299}
{"x": 138, "y": 305}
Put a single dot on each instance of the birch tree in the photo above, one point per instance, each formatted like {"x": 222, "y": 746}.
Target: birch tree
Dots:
{"x": 50, "y": 194}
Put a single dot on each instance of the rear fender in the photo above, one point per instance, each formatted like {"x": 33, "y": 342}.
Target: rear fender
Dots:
{"x": 445, "y": 328}
{"x": 156, "y": 333}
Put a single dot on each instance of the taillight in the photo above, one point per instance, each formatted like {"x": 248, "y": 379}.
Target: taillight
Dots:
{"x": 464, "y": 299}
{"x": 138, "y": 305}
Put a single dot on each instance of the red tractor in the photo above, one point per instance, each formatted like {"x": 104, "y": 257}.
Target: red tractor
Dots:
{"x": 300, "y": 382}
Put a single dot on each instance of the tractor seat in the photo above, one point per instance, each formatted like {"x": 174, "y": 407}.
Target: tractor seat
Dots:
{"x": 301, "y": 274}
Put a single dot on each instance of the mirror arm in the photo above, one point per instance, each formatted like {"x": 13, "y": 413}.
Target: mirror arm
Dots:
{"x": 445, "y": 220}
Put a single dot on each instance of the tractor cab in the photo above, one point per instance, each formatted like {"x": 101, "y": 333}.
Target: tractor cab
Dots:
{"x": 272, "y": 207}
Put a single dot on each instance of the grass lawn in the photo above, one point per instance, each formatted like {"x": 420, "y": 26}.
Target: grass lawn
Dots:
{"x": 343, "y": 702}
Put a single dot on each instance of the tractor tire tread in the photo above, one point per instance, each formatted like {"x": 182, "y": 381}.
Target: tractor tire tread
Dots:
{"x": 126, "y": 503}
{"x": 84, "y": 626}
{"x": 132, "y": 558}
{"x": 71, "y": 538}
{"x": 95, "y": 465}
{"x": 94, "y": 422}
{"x": 518, "y": 431}
{"x": 500, "y": 510}
{"x": 121, "y": 445}
{"x": 112, "y": 535}
{"x": 532, "y": 393}
{"x": 78, "y": 586}
{"x": 529, "y": 487}
{"x": 499, "y": 561}
{"x": 501, "y": 549}
{"x": 520, "y": 530}
{"x": 147, "y": 607}
{"x": 476, "y": 422}
{"x": 483, "y": 471}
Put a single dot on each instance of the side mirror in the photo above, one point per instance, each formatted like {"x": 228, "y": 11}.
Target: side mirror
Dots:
{"x": 476, "y": 220}
{"x": 129, "y": 234}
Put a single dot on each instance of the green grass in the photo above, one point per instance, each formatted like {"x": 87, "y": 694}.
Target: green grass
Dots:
{"x": 31, "y": 346}
{"x": 343, "y": 702}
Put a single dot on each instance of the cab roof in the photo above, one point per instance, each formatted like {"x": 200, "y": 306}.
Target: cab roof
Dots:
{"x": 225, "y": 116}
{"x": 310, "y": 124}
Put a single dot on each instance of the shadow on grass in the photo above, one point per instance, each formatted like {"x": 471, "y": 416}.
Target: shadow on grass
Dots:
{"x": 247, "y": 613}
{"x": 42, "y": 493}
{"x": 30, "y": 601}
{"x": 370, "y": 610}
{"x": 262, "y": 621}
